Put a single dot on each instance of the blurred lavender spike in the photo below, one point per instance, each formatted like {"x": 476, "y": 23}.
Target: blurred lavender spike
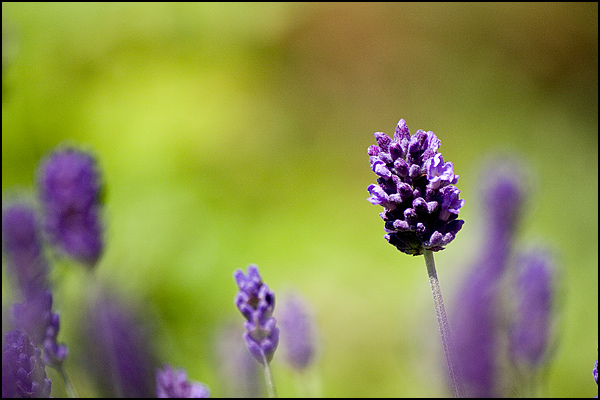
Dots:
{"x": 119, "y": 349}
{"x": 35, "y": 316}
{"x": 530, "y": 332}
{"x": 69, "y": 191}
{"x": 23, "y": 372}
{"x": 22, "y": 247}
{"x": 297, "y": 331}
{"x": 476, "y": 317}
{"x": 173, "y": 384}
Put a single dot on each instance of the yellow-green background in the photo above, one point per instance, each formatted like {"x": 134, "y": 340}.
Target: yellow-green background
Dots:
{"x": 231, "y": 134}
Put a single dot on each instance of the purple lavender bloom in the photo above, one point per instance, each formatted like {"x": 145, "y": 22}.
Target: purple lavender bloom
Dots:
{"x": 530, "y": 332}
{"x": 414, "y": 186}
{"x": 297, "y": 331}
{"x": 476, "y": 317}
{"x": 23, "y": 373}
{"x": 35, "y": 316}
{"x": 256, "y": 303}
{"x": 69, "y": 185}
{"x": 173, "y": 384}
{"x": 22, "y": 247}
{"x": 120, "y": 352}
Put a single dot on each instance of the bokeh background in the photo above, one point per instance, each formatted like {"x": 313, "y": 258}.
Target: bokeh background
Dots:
{"x": 231, "y": 134}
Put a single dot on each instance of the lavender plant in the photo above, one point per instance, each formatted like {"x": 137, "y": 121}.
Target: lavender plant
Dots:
{"x": 476, "y": 319}
{"x": 23, "y": 372}
{"x": 256, "y": 302}
{"x": 69, "y": 191}
{"x": 22, "y": 246}
{"x": 421, "y": 205}
{"x": 119, "y": 352}
{"x": 173, "y": 384}
{"x": 297, "y": 330}
{"x": 531, "y": 329}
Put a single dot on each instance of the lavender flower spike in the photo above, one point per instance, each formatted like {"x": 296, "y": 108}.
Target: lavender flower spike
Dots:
{"x": 256, "y": 303}
{"x": 531, "y": 331}
{"x": 415, "y": 188}
{"x": 69, "y": 185}
{"x": 23, "y": 372}
{"x": 297, "y": 331}
{"x": 35, "y": 317}
{"x": 173, "y": 384}
{"x": 22, "y": 245}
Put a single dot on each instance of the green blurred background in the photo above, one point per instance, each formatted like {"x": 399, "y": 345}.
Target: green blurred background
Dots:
{"x": 232, "y": 134}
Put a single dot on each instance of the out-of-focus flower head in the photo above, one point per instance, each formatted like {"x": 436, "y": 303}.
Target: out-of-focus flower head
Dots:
{"x": 416, "y": 189}
{"x": 476, "y": 318}
{"x": 119, "y": 348}
{"x": 173, "y": 384}
{"x": 35, "y": 316}
{"x": 256, "y": 302}
{"x": 22, "y": 247}
{"x": 69, "y": 190}
{"x": 297, "y": 331}
{"x": 531, "y": 329}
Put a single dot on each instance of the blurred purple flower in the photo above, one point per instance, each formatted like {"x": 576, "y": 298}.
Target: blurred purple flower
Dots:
{"x": 173, "y": 384}
{"x": 23, "y": 372}
{"x": 476, "y": 317}
{"x": 530, "y": 332}
{"x": 69, "y": 190}
{"x": 22, "y": 246}
{"x": 120, "y": 353}
{"x": 35, "y": 316}
{"x": 297, "y": 331}
{"x": 256, "y": 303}
{"x": 414, "y": 186}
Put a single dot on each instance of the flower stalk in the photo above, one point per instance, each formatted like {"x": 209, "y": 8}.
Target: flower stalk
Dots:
{"x": 440, "y": 313}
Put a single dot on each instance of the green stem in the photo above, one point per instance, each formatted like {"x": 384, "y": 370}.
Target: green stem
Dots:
{"x": 269, "y": 379}
{"x": 68, "y": 385}
{"x": 440, "y": 312}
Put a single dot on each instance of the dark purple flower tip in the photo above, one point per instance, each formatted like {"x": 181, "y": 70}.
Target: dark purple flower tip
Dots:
{"x": 23, "y": 372}
{"x": 530, "y": 332}
{"x": 256, "y": 302}
{"x": 297, "y": 330}
{"x": 22, "y": 245}
{"x": 173, "y": 384}
{"x": 69, "y": 190}
{"x": 415, "y": 188}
